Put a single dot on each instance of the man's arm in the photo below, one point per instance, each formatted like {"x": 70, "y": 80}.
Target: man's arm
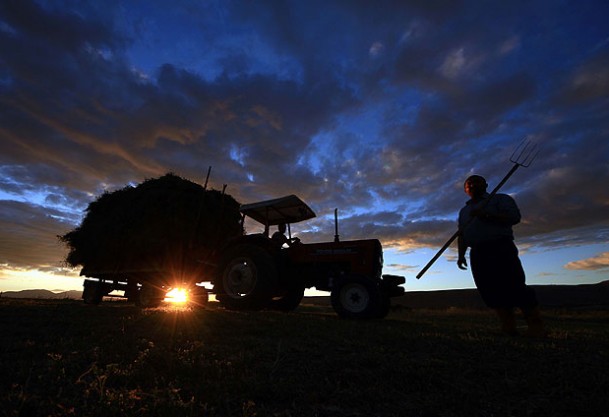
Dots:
{"x": 462, "y": 248}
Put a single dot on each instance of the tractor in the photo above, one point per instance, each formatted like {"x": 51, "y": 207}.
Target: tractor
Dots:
{"x": 255, "y": 271}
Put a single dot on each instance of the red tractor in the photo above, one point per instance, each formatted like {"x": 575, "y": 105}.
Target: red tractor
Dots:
{"x": 256, "y": 271}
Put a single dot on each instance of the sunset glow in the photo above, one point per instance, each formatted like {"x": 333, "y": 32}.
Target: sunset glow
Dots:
{"x": 177, "y": 295}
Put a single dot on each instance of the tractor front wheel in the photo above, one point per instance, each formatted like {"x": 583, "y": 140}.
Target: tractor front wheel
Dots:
{"x": 357, "y": 298}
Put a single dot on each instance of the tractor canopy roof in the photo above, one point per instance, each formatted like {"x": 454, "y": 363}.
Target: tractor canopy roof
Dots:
{"x": 289, "y": 209}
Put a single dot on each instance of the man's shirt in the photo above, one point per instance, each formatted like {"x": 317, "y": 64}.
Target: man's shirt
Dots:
{"x": 481, "y": 230}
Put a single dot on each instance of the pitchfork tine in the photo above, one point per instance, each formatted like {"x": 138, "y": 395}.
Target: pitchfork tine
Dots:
{"x": 525, "y": 153}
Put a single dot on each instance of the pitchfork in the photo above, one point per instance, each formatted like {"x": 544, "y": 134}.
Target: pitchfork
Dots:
{"x": 523, "y": 156}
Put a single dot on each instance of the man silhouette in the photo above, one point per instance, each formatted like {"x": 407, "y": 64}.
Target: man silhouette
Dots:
{"x": 279, "y": 236}
{"x": 485, "y": 226}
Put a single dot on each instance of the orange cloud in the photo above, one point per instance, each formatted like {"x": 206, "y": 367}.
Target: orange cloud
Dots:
{"x": 597, "y": 262}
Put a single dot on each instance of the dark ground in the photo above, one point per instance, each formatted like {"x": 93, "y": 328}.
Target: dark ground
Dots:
{"x": 63, "y": 358}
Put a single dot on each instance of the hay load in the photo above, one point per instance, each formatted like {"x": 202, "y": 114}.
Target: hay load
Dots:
{"x": 166, "y": 223}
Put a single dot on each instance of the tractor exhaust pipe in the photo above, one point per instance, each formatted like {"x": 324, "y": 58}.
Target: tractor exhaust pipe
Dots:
{"x": 336, "y": 236}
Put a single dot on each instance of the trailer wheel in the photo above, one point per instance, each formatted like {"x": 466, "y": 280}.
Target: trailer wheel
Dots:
{"x": 150, "y": 296}
{"x": 356, "y": 298}
{"x": 248, "y": 274}
{"x": 92, "y": 293}
{"x": 199, "y": 297}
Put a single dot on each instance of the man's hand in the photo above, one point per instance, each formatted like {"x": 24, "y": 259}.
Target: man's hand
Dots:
{"x": 462, "y": 263}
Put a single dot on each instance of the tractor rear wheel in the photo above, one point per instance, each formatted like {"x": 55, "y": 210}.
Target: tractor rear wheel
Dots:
{"x": 248, "y": 276}
{"x": 289, "y": 300}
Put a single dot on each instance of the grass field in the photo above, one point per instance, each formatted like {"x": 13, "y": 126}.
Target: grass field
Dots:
{"x": 63, "y": 358}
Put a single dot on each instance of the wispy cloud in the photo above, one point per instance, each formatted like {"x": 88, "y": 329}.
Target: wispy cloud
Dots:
{"x": 601, "y": 261}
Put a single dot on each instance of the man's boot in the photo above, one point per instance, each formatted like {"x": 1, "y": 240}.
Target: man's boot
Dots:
{"x": 534, "y": 321}
{"x": 508, "y": 321}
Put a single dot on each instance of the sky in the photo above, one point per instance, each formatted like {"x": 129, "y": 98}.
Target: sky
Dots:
{"x": 380, "y": 109}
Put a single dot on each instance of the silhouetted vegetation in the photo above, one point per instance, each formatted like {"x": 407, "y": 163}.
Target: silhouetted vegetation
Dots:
{"x": 161, "y": 221}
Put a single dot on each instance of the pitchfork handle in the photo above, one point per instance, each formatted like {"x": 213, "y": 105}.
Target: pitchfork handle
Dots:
{"x": 503, "y": 181}
{"x": 456, "y": 234}
{"x": 437, "y": 255}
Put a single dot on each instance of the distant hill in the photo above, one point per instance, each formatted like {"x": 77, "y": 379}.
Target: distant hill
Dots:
{"x": 585, "y": 295}
{"x": 42, "y": 294}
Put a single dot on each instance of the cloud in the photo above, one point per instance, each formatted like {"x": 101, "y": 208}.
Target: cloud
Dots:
{"x": 404, "y": 268}
{"x": 29, "y": 236}
{"x": 509, "y": 45}
{"x": 100, "y": 114}
{"x": 590, "y": 81}
{"x": 453, "y": 64}
{"x": 601, "y": 261}
{"x": 376, "y": 49}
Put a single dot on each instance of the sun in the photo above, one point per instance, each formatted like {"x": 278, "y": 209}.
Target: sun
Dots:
{"x": 177, "y": 295}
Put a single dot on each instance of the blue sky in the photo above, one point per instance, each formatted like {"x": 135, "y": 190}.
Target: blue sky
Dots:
{"x": 380, "y": 109}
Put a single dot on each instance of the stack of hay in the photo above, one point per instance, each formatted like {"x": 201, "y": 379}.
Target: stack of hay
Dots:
{"x": 162, "y": 223}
